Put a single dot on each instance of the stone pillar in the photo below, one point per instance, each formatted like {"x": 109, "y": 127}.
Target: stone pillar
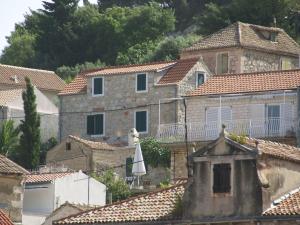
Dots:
{"x": 298, "y": 118}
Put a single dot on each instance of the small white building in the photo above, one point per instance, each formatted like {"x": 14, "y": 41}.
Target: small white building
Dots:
{"x": 45, "y": 192}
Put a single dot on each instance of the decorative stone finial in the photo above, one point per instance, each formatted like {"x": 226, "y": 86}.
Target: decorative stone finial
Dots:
{"x": 222, "y": 134}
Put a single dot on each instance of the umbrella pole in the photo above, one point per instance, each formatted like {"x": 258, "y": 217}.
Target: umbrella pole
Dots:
{"x": 138, "y": 181}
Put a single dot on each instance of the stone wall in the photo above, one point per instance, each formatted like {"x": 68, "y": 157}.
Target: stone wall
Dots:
{"x": 11, "y": 196}
{"x": 210, "y": 58}
{"x": 253, "y": 61}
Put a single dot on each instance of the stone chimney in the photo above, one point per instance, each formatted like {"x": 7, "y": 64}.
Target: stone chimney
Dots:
{"x": 133, "y": 137}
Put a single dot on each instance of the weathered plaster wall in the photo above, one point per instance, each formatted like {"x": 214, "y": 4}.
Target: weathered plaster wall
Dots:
{"x": 62, "y": 212}
{"x": 11, "y": 196}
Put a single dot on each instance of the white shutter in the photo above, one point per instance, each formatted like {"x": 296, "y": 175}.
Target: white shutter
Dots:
{"x": 257, "y": 125}
{"x": 226, "y": 113}
{"x": 286, "y": 117}
{"x": 212, "y": 114}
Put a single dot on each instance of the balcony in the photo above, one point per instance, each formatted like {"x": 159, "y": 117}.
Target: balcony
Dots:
{"x": 258, "y": 128}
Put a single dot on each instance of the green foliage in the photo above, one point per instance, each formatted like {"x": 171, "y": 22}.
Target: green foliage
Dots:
{"x": 9, "y": 138}
{"x": 118, "y": 187}
{"x": 45, "y": 147}
{"x": 154, "y": 153}
{"x": 165, "y": 183}
{"x": 241, "y": 139}
{"x": 68, "y": 72}
{"x": 30, "y": 130}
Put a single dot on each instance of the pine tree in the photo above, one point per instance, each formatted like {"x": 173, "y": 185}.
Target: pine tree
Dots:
{"x": 30, "y": 128}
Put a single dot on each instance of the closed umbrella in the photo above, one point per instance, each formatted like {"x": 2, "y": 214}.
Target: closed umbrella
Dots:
{"x": 138, "y": 168}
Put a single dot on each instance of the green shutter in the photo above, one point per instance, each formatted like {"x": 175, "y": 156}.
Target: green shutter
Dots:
{"x": 141, "y": 82}
{"x": 90, "y": 125}
{"x": 141, "y": 121}
{"x": 225, "y": 63}
{"x": 99, "y": 124}
{"x": 98, "y": 84}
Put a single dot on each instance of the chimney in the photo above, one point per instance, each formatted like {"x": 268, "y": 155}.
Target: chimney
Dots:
{"x": 133, "y": 137}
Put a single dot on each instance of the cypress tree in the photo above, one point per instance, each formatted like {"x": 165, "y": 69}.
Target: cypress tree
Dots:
{"x": 30, "y": 127}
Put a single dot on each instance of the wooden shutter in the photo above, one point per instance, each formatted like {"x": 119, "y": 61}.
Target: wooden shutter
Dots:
{"x": 141, "y": 121}
{"x": 222, "y": 180}
{"x": 98, "y": 86}
{"x": 212, "y": 114}
{"x": 226, "y": 113}
{"x": 99, "y": 124}
{"x": 129, "y": 162}
{"x": 225, "y": 63}
{"x": 286, "y": 117}
{"x": 90, "y": 124}
{"x": 141, "y": 82}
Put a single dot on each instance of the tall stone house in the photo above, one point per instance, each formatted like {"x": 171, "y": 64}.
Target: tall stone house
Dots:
{"x": 244, "y": 48}
{"x": 244, "y": 182}
{"x": 104, "y": 104}
{"x": 12, "y": 178}
{"x": 46, "y": 87}
{"x": 258, "y": 105}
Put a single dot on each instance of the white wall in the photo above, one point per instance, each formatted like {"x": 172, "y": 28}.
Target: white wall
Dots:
{"x": 74, "y": 189}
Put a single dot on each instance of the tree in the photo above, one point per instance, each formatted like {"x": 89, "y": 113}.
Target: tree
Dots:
{"x": 45, "y": 147}
{"x": 154, "y": 153}
{"x": 116, "y": 186}
{"x": 9, "y": 138}
{"x": 30, "y": 129}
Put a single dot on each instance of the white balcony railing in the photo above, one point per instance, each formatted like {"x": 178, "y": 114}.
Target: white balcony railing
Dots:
{"x": 258, "y": 128}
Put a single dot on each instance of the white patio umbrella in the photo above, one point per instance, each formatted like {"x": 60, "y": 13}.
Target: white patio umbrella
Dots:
{"x": 138, "y": 168}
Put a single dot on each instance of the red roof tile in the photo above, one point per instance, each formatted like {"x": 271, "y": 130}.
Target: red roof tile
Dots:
{"x": 249, "y": 82}
{"x": 177, "y": 72}
{"x": 77, "y": 86}
{"x": 153, "y": 206}
{"x": 288, "y": 206}
{"x": 45, "y": 177}
{"x": 9, "y": 167}
{"x": 4, "y": 219}
{"x": 42, "y": 79}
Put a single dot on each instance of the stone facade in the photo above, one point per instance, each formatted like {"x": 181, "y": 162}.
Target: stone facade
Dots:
{"x": 243, "y": 60}
{"x": 121, "y": 101}
{"x": 11, "y": 196}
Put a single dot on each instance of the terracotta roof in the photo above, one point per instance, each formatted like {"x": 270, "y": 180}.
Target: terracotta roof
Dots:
{"x": 45, "y": 177}
{"x": 275, "y": 149}
{"x": 9, "y": 167}
{"x": 136, "y": 68}
{"x": 42, "y": 79}
{"x": 178, "y": 71}
{"x": 77, "y": 86}
{"x": 249, "y": 36}
{"x": 97, "y": 145}
{"x": 153, "y": 206}
{"x": 4, "y": 219}
{"x": 249, "y": 82}
{"x": 9, "y": 95}
{"x": 288, "y": 205}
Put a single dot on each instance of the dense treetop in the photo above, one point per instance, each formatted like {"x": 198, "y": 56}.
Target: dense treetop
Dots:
{"x": 66, "y": 37}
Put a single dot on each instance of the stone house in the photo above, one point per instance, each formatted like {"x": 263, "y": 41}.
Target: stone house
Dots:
{"x": 104, "y": 104}
{"x": 98, "y": 156}
{"x": 45, "y": 192}
{"x": 65, "y": 210}
{"x": 47, "y": 85}
{"x": 244, "y": 48}
{"x": 230, "y": 183}
{"x": 260, "y": 105}
{"x": 11, "y": 189}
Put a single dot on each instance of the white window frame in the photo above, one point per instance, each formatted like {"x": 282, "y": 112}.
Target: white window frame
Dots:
{"x": 231, "y": 162}
{"x": 147, "y": 120}
{"x": 97, "y": 135}
{"x": 136, "y": 83}
{"x": 216, "y": 68}
{"x": 197, "y": 73}
{"x": 96, "y": 95}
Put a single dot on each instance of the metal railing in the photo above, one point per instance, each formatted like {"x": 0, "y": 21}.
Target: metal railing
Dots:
{"x": 258, "y": 128}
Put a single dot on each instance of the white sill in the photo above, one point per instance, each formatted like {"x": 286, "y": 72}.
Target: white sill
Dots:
{"x": 144, "y": 91}
{"x": 97, "y": 135}
{"x": 98, "y": 95}
{"x": 143, "y": 132}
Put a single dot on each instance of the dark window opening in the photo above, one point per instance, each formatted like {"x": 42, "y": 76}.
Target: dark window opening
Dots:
{"x": 129, "y": 163}
{"x": 141, "y": 82}
{"x": 95, "y": 124}
{"x": 200, "y": 79}
{"x": 141, "y": 121}
{"x": 98, "y": 86}
{"x": 68, "y": 146}
{"x": 222, "y": 178}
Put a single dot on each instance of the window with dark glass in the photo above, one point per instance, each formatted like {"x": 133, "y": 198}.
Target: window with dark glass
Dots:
{"x": 95, "y": 124}
{"x": 141, "y": 82}
{"x": 98, "y": 86}
{"x": 68, "y": 146}
{"x": 221, "y": 178}
{"x": 141, "y": 121}
{"x": 200, "y": 79}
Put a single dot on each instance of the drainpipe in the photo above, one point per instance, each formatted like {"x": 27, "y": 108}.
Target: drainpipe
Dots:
{"x": 298, "y": 117}
{"x": 186, "y": 138}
